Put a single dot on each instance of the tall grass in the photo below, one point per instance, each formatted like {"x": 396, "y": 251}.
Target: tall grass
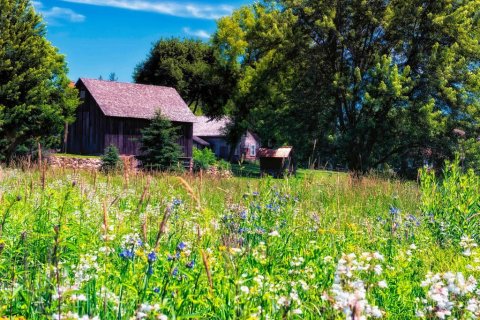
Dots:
{"x": 76, "y": 244}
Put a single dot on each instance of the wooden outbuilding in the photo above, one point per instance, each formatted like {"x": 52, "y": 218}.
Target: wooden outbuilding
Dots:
{"x": 114, "y": 113}
{"x": 213, "y": 132}
{"x": 276, "y": 162}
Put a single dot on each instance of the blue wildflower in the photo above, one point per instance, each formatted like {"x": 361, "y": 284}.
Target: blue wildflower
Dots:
{"x": 190, "y": 264}
{"x": 176, "y": 202}
{"x": 140, "y": 243}
{"x": 152, "y": 257}
{"x": 175, "y": 272}
{"x": 156, "y": 289}
{"x": 242, "y": 230}
{"x": 127, "y": 254}
{"x": 394, "y": 211}
{"x": 255, "y": 193}
{"x": 243, "y": 215}
{"x": 181, "y": 246}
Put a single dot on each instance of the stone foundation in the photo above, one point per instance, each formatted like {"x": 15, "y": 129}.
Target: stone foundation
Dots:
{"x": 57, "y": 161}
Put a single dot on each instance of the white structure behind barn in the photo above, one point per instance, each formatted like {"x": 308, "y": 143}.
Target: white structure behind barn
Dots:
{"x": 211, "y": 133}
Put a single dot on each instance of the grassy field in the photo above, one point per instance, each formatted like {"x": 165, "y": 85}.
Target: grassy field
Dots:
{"x": 319, "y": 246}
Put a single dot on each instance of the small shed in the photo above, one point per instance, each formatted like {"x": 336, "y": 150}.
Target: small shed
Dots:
{"x": 276, "y": 162}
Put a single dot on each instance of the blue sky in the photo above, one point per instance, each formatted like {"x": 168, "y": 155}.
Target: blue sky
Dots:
{"x": 103, "y": 36}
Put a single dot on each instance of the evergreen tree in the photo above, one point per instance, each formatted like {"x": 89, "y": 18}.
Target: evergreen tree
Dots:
{"x": 160, "y": 148}
{"x": 35, "y": 97}
{"x": 111, "y": 159}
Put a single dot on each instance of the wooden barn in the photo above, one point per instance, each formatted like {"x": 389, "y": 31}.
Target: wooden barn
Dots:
{"x": 114, "y": 113}
{"x": 276, "y": 162}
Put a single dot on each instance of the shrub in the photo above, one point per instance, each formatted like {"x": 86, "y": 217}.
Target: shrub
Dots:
{"x": 203, "y": 158}
{"x": 111, "y": 159}
{"x": 159, "y": 144}
{"x": 224, "y": 165}
{"x": 452, "y": 203}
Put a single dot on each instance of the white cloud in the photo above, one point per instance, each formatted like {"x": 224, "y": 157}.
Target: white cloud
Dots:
{"x": 56, "y": 13}
{"x": 170, "y": 8}
{"x": 197, "y": 33}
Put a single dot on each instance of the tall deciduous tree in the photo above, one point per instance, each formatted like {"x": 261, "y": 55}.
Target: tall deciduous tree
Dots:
{"x": 192, "y": 68}
{"x": 373, "y": 81}
{"x": 35, "y": 97}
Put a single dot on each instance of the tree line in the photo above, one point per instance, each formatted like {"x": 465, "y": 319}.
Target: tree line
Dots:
{"x": 362, "y": 84}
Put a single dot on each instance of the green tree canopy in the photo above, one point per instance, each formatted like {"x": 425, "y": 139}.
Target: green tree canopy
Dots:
{"x": 160, "y": 148}
{"x": 192, "y": 68}
{"x": 35, "y": 97}
{"x": 367, "y": 82}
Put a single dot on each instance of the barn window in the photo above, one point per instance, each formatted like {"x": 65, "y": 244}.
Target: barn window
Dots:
{"x": 82, "y": 94}
{"x": 253, "y": 150}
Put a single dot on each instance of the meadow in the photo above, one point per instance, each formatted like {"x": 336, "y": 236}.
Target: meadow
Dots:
{"x": 82, "y": 245}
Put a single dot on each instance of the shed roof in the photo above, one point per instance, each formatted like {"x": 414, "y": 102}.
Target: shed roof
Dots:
{"x": 130, "y": 100}
{"x": 200, "y": 141}
{"x": 282, "y": 152}
{"x": 206, "y": 127}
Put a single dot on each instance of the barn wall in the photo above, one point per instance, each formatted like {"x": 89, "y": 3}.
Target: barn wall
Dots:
{"x": 124, "y": 133}
{"x": 186, "y": 137}
{"x": 85, "y": 135}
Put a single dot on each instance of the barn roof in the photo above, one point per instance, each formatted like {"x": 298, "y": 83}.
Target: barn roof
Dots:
{"x": 130, "y": 100}
{"x": 206, "y": 127}
{"x": 283, "y": 152}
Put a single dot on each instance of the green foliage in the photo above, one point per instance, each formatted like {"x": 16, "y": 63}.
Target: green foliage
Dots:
{"x": 203, "y": 158}
{"x": 111, "y": 159}
{"x": 35, "y": 99}
{"x": 97, "y": 246}
{"x": 192, "y": 68}
{"x": 160, "y": 148}
{"x": 453, "y": 202}
{"x": 353, "y": 80}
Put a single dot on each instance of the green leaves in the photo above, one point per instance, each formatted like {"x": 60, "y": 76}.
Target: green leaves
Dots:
{"x": 34, "y": 88}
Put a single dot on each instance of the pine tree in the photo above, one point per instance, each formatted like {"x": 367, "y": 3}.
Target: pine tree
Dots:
{"x": 35, "y": 99}
{"x": 159, "y": 144}
{"x": 111, "y": 159}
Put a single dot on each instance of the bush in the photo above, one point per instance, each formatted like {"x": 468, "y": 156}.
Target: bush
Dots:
{"x": 452, "y": 202}
{"x": 224, "y": 165}
{"x": 159, "y": 144}
{"x": 111, "y": 159}
{"x": 203, "y": 158}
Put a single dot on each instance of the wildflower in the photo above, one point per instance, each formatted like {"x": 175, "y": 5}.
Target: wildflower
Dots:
{"x": 245, "y": 289}
{"x": 176, "y": 202}
{"x": 127, "y": 254}
{"x": 382, "y": 284}
{"x": 156, "y": 289}
{"x": 181, "y": 246}
{"x": 175, "y": 272}
{"x": 394, "y": 211}
{"x": 274, "y": 234}
{"x": 190, "y": 264}
{"x": 297, "y": 311}
{"x": 152, "y": 257}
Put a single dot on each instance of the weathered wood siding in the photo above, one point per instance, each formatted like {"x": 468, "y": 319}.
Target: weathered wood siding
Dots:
{"x": 125, "y": 134}
{"x": 85, "y": 135}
